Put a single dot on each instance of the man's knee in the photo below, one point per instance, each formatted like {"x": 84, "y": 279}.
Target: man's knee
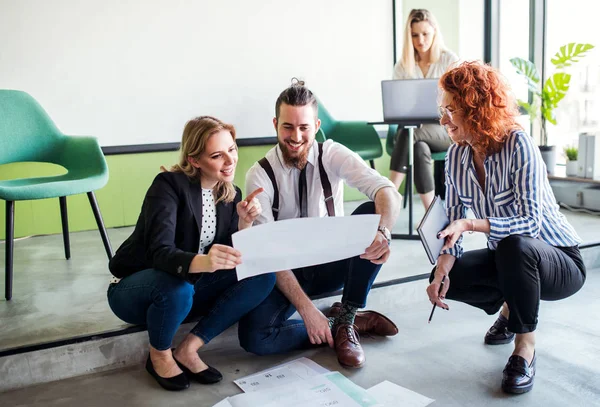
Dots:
{"x": 252, "y": 339}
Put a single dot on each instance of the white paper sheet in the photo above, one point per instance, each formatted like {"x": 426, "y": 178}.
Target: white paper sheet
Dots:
{"x": 331, "y": 389}
{"x": 223, "y": 403}
{"x": 392, "y": 395}
{"x": 297, "y": 369}
{"x": 295, "y": 243}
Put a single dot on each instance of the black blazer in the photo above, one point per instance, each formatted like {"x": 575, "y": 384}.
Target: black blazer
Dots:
{"x": 167, "y": 234}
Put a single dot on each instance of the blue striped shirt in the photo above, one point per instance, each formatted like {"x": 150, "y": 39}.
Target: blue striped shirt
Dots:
{"x": 517, "y": 199}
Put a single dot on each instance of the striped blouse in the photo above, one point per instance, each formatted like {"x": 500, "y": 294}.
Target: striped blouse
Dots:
{"x": 517, "y": 199}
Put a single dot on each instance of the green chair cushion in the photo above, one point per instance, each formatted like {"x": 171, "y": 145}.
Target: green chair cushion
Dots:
{"x": 441, "y": 156}
{"x": 359, "y": 137}
{"x": 27, "y": 134}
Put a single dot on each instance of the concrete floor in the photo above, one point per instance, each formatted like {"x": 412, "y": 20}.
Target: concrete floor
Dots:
{"x": 55, "y": 299}
{"x": 445, "y": 360}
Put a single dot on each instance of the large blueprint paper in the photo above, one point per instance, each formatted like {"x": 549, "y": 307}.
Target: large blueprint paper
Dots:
{"x": 294, "y": 243}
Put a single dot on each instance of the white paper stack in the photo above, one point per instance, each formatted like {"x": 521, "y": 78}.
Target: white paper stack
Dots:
{"x": 304, "y": 383}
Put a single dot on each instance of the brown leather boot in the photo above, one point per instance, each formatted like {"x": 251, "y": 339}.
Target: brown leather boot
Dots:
{"x": 368, "y": 322}
{"x": 347, "y": 346}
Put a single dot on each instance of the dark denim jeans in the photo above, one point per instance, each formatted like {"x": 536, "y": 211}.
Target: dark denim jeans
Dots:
{"x": 162, "y": 302}
{"x": 267, "y": 330}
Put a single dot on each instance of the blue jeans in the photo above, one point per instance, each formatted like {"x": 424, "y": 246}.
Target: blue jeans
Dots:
{"x": 267, "y": 330}
{"x": 162, "y": 302}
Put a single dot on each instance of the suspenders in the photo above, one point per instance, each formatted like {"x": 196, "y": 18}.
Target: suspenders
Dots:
{"x": 325, "y": 184}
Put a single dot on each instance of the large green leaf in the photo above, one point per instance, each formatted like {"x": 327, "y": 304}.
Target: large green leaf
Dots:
{"x": 556, "y": 88}
{"x": 529, "y": 71}
{"x": 570, "y": 53}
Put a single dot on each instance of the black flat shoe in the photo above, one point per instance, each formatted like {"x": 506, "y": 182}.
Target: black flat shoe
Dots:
{"x": 207, "y": 376}
{"x": 498, "y": 334}
{"x": 175, "y": 383}
{"x": 518, "y": 375}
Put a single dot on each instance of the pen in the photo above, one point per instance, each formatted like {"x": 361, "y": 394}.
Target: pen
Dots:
{"x": 439, "y": 292}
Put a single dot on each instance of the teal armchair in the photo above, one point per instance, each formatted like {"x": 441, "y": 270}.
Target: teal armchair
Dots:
{"x": 27, "y": 134}
{"x": 360, "y": 137}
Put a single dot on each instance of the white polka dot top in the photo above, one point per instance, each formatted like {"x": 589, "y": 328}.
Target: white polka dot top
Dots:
{"x": 209, "y": 224}
{"x": 209, "y": 220}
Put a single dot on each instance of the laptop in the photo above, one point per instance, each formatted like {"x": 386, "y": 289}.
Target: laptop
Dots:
{"x": 410, "y": 99}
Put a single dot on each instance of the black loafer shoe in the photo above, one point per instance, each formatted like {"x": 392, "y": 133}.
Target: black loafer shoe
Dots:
{"x": 175, "y": 383}
{"x": 498, "y": 334}
{"x": 207, "y": 376}
{"x": 518, "y": 375}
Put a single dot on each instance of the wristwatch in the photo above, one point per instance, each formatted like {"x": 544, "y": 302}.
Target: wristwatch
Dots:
{"x": 386, "y": 233}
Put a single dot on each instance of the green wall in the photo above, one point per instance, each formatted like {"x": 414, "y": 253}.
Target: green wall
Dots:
{"x": 121, "y": 199}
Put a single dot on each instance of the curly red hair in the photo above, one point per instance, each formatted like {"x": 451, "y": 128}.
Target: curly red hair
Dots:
{"x": 486, "y": 103}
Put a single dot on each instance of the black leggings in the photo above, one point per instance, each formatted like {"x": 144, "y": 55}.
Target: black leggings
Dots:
{"x": 521, "y": 271}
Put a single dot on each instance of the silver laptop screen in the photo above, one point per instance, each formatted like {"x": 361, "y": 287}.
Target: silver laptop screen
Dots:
{"x": 408, "y": 99}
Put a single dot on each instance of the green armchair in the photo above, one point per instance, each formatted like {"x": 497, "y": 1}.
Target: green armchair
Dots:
{"x": 359, "y": 137}
{"x": 27, "y": 134}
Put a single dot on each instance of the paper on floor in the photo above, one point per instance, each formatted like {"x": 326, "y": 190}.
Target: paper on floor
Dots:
{"x": 391, "y": 395}
{"x": 295, "y": 243}
{"x": 330, "y": 389}
{"x": 285, "y": 373}
{"x": 223, "y": 403}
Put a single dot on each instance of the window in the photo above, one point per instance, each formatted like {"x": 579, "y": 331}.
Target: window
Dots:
{"x": 579, "y": 111}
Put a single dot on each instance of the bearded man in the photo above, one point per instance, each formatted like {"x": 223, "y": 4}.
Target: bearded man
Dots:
{"x": 302, "y": 178}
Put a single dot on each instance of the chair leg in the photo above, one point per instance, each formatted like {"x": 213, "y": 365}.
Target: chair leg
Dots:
{"x": 405, "y": 197}
{"x": 64, "y": 217}
{"x": 439, "y": 178}
{"x": 100, "y": 223}
{"x": 372, "y": 163}
{"x": 10, "y": 234}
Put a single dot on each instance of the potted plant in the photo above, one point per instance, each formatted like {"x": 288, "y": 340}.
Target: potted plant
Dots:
{"x": 545, "y": 99}
{"x": 571, "y": 153}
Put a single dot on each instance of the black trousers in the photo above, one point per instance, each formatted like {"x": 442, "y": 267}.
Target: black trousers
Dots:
{"x": 427, "y": 138}
{"x": 521, "y": 271}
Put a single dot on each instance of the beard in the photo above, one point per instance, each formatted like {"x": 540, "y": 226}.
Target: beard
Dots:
{"x": 299, "y": 160}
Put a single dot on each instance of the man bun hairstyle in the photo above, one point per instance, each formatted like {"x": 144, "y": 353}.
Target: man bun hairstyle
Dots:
{"x": 297, "y": 94}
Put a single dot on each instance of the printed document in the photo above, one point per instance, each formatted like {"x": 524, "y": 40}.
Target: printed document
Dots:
{"x": 297, "y": 369}
{"x": 294, "y": 243}
{"x": 330, "y": 389}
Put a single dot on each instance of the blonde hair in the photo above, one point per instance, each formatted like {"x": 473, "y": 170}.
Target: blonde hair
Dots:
{"x": 193, "y": 143}
{"x": 409, "y": 54}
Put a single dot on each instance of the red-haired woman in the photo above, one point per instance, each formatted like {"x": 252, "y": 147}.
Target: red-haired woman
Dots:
{"x": 494, "y": 169}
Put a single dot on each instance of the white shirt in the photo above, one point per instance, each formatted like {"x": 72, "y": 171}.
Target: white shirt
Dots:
{"x": 209, "y": 220}
{"x": 436, "y": 70}
{"x": 340, "y": 163}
